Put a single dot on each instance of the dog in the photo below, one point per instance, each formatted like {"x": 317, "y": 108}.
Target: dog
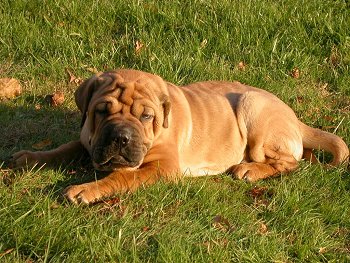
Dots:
{"x": 141, "y": 128}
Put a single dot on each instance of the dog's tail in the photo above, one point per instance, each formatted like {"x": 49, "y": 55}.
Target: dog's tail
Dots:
{"x": 321, "y": 140}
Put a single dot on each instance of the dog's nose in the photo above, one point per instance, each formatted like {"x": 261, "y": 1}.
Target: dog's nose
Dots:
{"x": 123, "y": 139}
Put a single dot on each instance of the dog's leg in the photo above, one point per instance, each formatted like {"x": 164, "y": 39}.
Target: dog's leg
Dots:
{"x": 63, "y": 154}
{"x": 273, "y": 137}
{"x": 159, "y": 163}
{"x": 121, "y": 181}
{"x": 275, "y": 163}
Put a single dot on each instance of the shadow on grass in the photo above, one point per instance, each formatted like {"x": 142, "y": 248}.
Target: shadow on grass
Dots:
{"x": 24, "y": 126}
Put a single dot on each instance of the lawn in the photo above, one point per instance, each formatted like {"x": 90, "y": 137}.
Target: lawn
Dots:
{"x": 299, "y": 50}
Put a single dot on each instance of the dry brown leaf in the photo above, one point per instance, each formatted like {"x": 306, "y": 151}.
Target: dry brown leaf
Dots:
{"x": 70, "y": 76}
{"x": 295, "y": 73}
{"x": 54, "y": 205}
{"x": 263, "y": 228}
{"x": 259, "y": 195}
{"x": 221, "y": 223}
{"x": 322, "y": 88}
{"x": 138, "y": 46}
{"x": 9, "y": 88}
{"x": 241, "y": 65}
{"x": 334, "y": 57}
{"x": 204, "y": 43}
{"x": 300, "y": 99}
{"x": 93, "y": 70}
{"x": 322, "y": 250}
{"x": 110, "y": 204}
{"x": 24, "y": 191}
{"x": 257, "y": 191}
{"x": 145, "y": 229}
{"x": 72, "y": 172}
{"x": 222, "y": 242}
{"x": 217, "y": 179}
{"x": 8, "y": 251}
{"x": 7, "y": 177}
{"x": 328, "y": 118}
{"x": 41, "y": 145}
{"x": 112, "y": 201}
{"x": 55, "y": 99}
{"x": 73, "y": 78}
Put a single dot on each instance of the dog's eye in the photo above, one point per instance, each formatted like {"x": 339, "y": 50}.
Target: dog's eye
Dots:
{"x": 101, "y": 108}
{"x": 146, "y": 117}
{"x": 102, "y": 112}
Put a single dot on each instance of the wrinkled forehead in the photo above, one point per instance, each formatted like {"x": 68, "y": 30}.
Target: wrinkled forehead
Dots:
{"x": 124, "y": 95}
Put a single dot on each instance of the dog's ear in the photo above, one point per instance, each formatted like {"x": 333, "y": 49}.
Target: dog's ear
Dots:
{"x": 166, "y": 110}
{"x": 83, "y": 95}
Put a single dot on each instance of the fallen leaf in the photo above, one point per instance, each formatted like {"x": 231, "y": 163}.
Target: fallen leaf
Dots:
{"x": 112, "y": 201}
{"x": 221, "y": 242}
{"x": 322, "y": 88}
{"x": 257, "y": 191}
{"x": 7, "y": 176}
{"x": 335, "y": 57}
{"x": 215, "y": 242}
{"x": 259, "y": 195}
{"x": 138, "y": 46}
{"x": 70, "y": 76}
{"x": 92, "y": 70}
{"x": 300, "y": 99}
{"x": 207, "y": 245}
{"x": 145, "y": 229}
{"x": 41, "y": 145}
{"x": 8, "y": 251}
{"x": 55, "y": 99}
{"x": 329, "y": 127}
{"x": 322, "y": 250}
{"x": 54, "y": 205}
{"x": 217, "y": 180}
{"x": 263, "y": 228}
{"x": 24, "y": 191}
{"x": 241, "y": 65}
{"x": 328, "y": 118}
{"x": 221, "y": 223}
{"x": 268, "y": 78}
{"x": 9, "y": 88}
{"x": 112, "y": 206}
{"x": 204, "y": 43}
{"x": 295, "y": 73}
{"x": 73, "y": 78}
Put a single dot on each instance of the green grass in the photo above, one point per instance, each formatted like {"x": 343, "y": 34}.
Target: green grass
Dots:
{"x": 301, "y": 217}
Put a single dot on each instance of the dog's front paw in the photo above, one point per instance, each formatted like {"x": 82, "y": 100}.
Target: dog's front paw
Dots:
{"x": 23, "y": 159}
{"x": 83, "y": 194}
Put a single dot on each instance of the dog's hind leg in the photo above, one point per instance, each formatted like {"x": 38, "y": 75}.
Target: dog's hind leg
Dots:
{"x": 275, "y": 163}
{"x": 272, "y": 134}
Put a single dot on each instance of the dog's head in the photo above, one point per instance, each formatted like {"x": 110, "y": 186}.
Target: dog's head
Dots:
{"x": 124, "y": 111}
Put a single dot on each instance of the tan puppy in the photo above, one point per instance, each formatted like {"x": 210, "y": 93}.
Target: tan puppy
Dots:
{"x": 142, "y": 128}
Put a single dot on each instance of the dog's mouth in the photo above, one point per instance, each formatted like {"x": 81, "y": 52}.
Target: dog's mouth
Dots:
{"x": 115, "y": 162}
{"x": 109, "y": 158}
